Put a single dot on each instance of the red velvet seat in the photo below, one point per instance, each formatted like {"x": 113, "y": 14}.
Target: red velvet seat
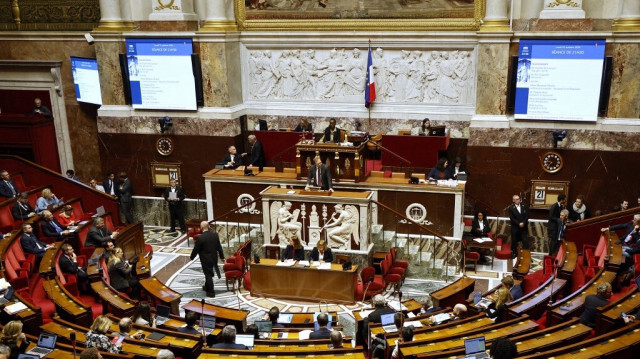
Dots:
{"x": 247, "y": 281}
{"x": 503, "y": 251}
{"x": 17, "y": 277}
{"x": 391, "y": 279}
{"x": 395, "y": 262}
{"x": 194, "y": 233}
{"x": 470, "y": 256}
{"x": 636, "y": 259}
{"x": 376, "y": 287}
{"x": 234, "y": 271}
{"x": 26, "y": 260}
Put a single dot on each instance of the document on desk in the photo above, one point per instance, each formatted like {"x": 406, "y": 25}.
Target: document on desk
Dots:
{"x": 365, "y": 313}
{"x": 396, "y": 305}
{"x": 285, "y": 318}
{"x": 315, "y": 263}
{"x": 285, "y": 264}
{"x": 304, "y": 335}
{"x": 482, "y": 240}
{"x": 414, "y": 323}
{"x": 325, "y": 266}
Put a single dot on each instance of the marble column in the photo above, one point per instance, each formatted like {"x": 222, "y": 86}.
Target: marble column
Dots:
{"x": 173, "y": 10}
{"x": 126, "y": 13}
{"x": 110, "y": 16}
{"x": 629, "y": 17}
{"x": 496, "y": 16}
{"x": 220, "y": 16}
{"x": 562, "y": 9}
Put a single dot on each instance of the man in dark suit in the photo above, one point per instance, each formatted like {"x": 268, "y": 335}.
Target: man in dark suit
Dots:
{"x": 319, "y": 176}
{"x": 232, "y": 160}
{"x": 110, "y": 185}
{"x": 256, "y": 158}
{"x": 208, "y": 248}
{"x": 8, "y": 187}
{"x": 427, "y": 305}
{"x": 22, "y": 210}
{"x": 191, "y": 318}
{"x": 51, "y": 227}
{"x": 68, "y": 263}
{"x": 375, "y": 317}
{"x": 174, "y": 195}
{"x": 322, "y": 332}
{"x": 126, "y": 191}
{"x": 39, "y": 108}
{"x": 273, "y": 315}
{"x": 31, "y": 244}
{"x": 556, "y": 229}
{"x": 331, "y": 133}
{"x": 554, "y": 211}
{"x": 631, "y": 230}
{"x": 99, "y": 235}
{"x": 228, "y": 337}
{"x": 593, "y": 301}
{"x": 519, "y": 218}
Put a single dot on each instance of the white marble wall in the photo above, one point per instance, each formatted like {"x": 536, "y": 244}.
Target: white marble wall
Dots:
{"x": 595, "y": 9}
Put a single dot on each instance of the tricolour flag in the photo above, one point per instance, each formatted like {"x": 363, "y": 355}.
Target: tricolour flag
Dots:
{"x": 370, "y": 87}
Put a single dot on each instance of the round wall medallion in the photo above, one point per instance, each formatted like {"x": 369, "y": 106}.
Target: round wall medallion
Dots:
{"x": 417, "y": 212}
{"x": 552, "y": 162}
{"x": 164, "y": 146}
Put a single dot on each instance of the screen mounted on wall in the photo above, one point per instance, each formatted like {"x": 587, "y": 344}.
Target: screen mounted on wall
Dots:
{"x": 161, "y": 74}
{"x": 559, "y": 79}
{"x": 86, "y": 80}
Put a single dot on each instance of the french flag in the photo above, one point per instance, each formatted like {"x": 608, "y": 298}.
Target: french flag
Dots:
{"x": 370, "y": 87}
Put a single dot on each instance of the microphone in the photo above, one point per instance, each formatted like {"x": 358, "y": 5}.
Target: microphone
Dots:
{"x": 202, "y": 319}
{"x": 73, "y": 343}
{"x": 400, "y": 299}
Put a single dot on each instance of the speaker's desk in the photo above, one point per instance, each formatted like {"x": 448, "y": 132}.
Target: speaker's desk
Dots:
{"x": 333, "y": 285}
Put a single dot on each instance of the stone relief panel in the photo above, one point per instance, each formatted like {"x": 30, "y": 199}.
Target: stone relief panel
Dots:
{"x": 438, "y": 77}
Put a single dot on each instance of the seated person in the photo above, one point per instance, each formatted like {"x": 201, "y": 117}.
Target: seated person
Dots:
{"x": 294, "y": 250}
{"x": 91, "y": 353}
{"x": 98, "y": 235}
{"x": 97, "y": 337}
{"x": 407, "y": 336}
{"x": 423, "y": 130}
{"x": 503, "y": 348}
{"x": 427, "y": 305}
{"x": 321, "y": 252}
{"x": 125, "y": 325}
{"x": 13, "y": 338}
{"x": 46, "y": 199}
{"x": 592, "y": 302}
{"x": 191, "y": 318}
{"x": 142, "y": 315}
{"x": 122, "y": 274}
{"x": 439, "y": 172}
{"x": 456, "y": 168}
{"x": 322, "y": 332}
{"x": 94, "y": 184}
{"x": 165, "y": 354}
{"x": 71, "y": 174}
{"x": 22, "y": 210}
{"x": 31, "y": 244}
{"x": 480, "y": 226}
{"x": 459, "y": 311}
{"x": 232, "y": 160}
{"x": 303, "y": 126}
{"x": 319, "y": 176}
{"x": 108, "y": 250}
{"x": 380, "y": 308}
{"x": 66, "y": 217}
{"x": 253, "y": 330}
{"x": 8, "y": 187}
{"x": 331, "y": 133}
{"x": 273, "y": 315}
{"x": 515, "y": 290}
{"x": 68, "y": 263}
{"x": 51, "y": 227}
{"x": 504, "y": 297}
{"x": 228, "y": 339}
{"x": 336, "y": 339}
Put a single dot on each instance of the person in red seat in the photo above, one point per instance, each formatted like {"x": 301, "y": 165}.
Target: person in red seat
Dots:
{"x": 66, "y": 217}
{"x": 51, "y": 227}
{"x": 31, "y": 244}
{"x": 22, "y": 210}
{"x": 592, "y": 302}
{"x": 46, "y": 199}
{"x": 13, "y": 337}
{"x": 8, "y": 187}
{"x": 98, "y": 235}
{"x": 122, "y": 274}
{"x": 97, "y": 337}
{"x": 69, "y": 263}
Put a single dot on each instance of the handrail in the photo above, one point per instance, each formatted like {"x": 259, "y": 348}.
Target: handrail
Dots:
{"x": 604, "y": 217}
{"x": 234, "y": 210}
{"x": 388, "y": 150}
{"x": 410, "y": 220}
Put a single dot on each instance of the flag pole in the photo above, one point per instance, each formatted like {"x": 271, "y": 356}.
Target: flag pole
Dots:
{"x": 369, "y": 107}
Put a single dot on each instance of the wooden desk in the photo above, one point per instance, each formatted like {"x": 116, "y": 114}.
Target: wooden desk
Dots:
{"x": 112, "y": 301}
{"x": 346, "y": 163}
{"x": 615, "y": 255}
{"x": 68, "y": 307}
{"x": 447, "y": 329}
{"x": 412, "y": 306}
{"x": 311, "y": 284}
{"x": 491, "y": 245}
{"x": 227, "y": 316}
{"x": 574, "y": 302}
{"x": 607, "y": 316}
{"x": 454, "y": 293}
{"x": 570, "y": 261}
{"x": 31, "y": 317}
{"x": 523, "y": 263}
{"x": 47, "y": 265}
{"x": 535, "y": 303}
{"x": 161, "y": 294}
{"x": 346, "y": 353}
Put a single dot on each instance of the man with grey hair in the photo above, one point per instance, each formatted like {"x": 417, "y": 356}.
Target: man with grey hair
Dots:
{"x": 427, "y": 305}
{"x": 231, "y": 160}
{"x": 165, "y": 354}
{"x": 632, "y": 236}
{"x": 98, "y": 235}
{"x": 51, "y": 227}
{"x": 125, "y": 324}
{"x": 380, "y": 304}
{"x": 256, "y": 158}
{"x": 593, "y": 301}
{"x": 228, "y": 337}
{"x": 5, "y": 351}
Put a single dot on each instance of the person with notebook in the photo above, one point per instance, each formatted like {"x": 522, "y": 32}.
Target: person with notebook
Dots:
{"x": 174, "y": 195}
{"x": 321, "y": 252}
{"x": 228, "y": 339}
{"x": 323, "y": 332}
{"x": 191, "y": 318}
{"x": 13, "y": 337}
{"x": 97, "y": 337}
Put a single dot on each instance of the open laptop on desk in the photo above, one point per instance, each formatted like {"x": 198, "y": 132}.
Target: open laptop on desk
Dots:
{"x": 246, "y": 339}
{"x": 265, "y": 327}
{"x": 388, "y": 323}
{"x": 46, "y": 343}
{"x": 8, "y": 296}
{"x": 209, "y": 324}
{"x": 162, "y": 314}
{"x": 474, "y": 348}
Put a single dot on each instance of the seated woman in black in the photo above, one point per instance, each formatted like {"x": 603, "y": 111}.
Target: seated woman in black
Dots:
{"x": 121, "y": 274}
{"x": 503, "y": 298}
{"x": 440, "y": 171}
{"x": 294, "y": 250}
{"x": 480, "y": 226}
{"x": 321, "y": 252}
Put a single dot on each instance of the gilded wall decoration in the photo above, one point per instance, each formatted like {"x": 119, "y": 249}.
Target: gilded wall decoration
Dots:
{"x": 52, "y": 15}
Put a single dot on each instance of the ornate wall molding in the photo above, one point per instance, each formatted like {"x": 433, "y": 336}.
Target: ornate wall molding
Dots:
{"x": 50, "y": 15}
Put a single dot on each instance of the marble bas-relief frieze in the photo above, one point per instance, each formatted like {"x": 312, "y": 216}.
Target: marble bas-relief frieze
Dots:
{"x": 338, "y": 75}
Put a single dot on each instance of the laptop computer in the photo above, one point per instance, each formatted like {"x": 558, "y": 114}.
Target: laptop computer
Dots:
{"x": 162, "y": 314}
{"x": 27, "y": 356}
{"x": 209, "y": 323}
{"x": 437, "y": 131}
{"x": 100, "y": 211}
{"x": 474, "y": 348}
{"x": 265, "y": 327}
{"x": 8, "y": 296}
{"x": 246, "y": 339}
{"x": 388, "y": 323}
{"x": 46, "y": 343}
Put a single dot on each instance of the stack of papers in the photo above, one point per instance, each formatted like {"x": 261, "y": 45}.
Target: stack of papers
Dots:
{"x": 482, "y": 240}
{"x": 415, "y": 324}
{"x": 326, "y": 265}
{"x": 286, "y": 263}
{"x": 315, "y": 264}
{"x": 304, "y": 335}
{"x": 304, "y": 263}
{"x": 365, "y": 313}
{"x": 440, "y": 318}
{"x": 15, "y": 308}
{"x": 3, "y": 284}
{"x": 396, "y": 305}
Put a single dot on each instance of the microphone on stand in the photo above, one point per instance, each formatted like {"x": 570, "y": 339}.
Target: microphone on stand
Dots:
{"x": 364, "y": 295}
{"x": 400, "y": 299}
{"x": 202, "y": 319}
{"x": 73, "y": 343}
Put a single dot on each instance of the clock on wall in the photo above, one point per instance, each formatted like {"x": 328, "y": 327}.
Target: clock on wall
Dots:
{"x": 552, "y": 162}
{"x": 165, "y": 146}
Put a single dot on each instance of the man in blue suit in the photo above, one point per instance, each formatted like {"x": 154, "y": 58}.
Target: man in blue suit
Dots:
{"x": 31, "y": 244}
{"x": 8, "y": 188}
{"x": 631, "y": 237}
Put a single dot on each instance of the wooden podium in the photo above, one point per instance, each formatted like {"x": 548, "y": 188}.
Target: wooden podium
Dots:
{"x": 346, "y": 163}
